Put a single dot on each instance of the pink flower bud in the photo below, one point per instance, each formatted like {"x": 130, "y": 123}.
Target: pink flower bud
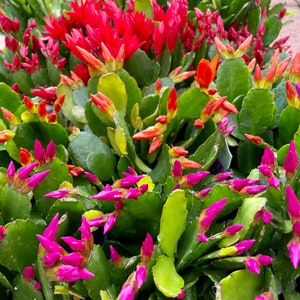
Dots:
{"x": 132, "y": 193}
{"x": 35, "y": 179}
{"x": 265, "y": 296}
{"x": 274, "y": 182}
{"x": 291, "y": 161}
{"x": 194, "y": 178}
{"x": 57, "y": 194}
{"x": 2, "y": 232}
{"x": 265, "y": 170}
{"x": 51, "y": 230}
{"x": 253, "y": 189}
{"x": 115, "y": 256}
{"x": 28, "y": 273}
{"x": 268, "y": 158}
{"x": 93, "y": 178}
{"x": 50, "y": 151}
{"x": 267, "y": 217}
{"x": 86, "y": 234}
{"x": 49, "y": 245}
{"x": 252, "y": 265}
{"x": 10, "y": 172}
{"x": 50, "y": 259}
{"x": 238, "y": 184}
{"x": 141, "y": 275}
{"x": 37, "y": 286}
{"x": 181, "y": 294}
{"x": 127, "y": 292}
{"x": 111, "y": 195}
{"x": 294, "y": 250}
{"x": 74, "y": 244}
{"x": 147, "y": 248}
{"x": 130, "y": 180}
{"x": 243, "y": 246}
{"x": 296, "y": 228}
{"x": 202, "y": 238}
{"x": 222, "y": 176}
{"x": 110, "y": 222}
{"x": 177, "y": 169}
{"x": 24, "y": 172}
{"x": 70, "y": 273}
{"x": 264, "y": 260}
{"x": 233, "y": 229}
{"x": 38, "y": 151}
{"x": 74, "y": 259}
{"x": 293, "y": 203}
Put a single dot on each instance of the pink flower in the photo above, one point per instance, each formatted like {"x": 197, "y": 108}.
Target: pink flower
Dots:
{"x": 50, "y": 259}
{"x": 194, "y": 178}
{"x": 293, "y": 203}
{"x": 51, "y": 230}
{"x": 268, "y": 158}
{"x": 141, "y": 275}
{"x": 57, "y": 194}
{"x": 147, "y": 248}
{"x": 49, "y": 245}
{"x": 109, "y": 195}
{"x": 127, "y": 292}
{"x": 28, "y": 273}
{"x": 252, "y": 265}
{"x": 294, "y": 250}
{"x": 110, "y": 222}
{"x": 70, "y": 273}
{"x": 233, "y": 229}
{"x": 73, "y": 243}
{"x": 2, "y": 232}
{"x": 73, "y": 259}
{"x": 243, "y": 246}
{"x": 265, "y": 296}
{"x": 115, "y": 256}
{"x": 291, "y": 161}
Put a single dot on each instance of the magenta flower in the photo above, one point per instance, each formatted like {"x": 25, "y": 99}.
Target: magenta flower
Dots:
{"x": 208, "y": 215}
{"x": 130, "y": 180}
{"x": 222, "y": 176}
{"x": 265, "y": 296}
{"x": 265, "y": 170}
{"x": 2, "y": 232}
{"x": 294, "y": 250}
{"x": 33, "y": 181}
{"x": 252, "y": 265}
{"x": 253, "y": 189}
{"x": 274, "y": 182}
{"x": 70, "y": 273}
{"x": 24, "y": 172}
{"x": 232, "y": 230}
{"x": 57, "y": 194}
{"x": 264, "y": 260}
{"x": 109, "y": 195}
{"x": 243, "y": 246}
{"x": 28, "y": 273}
{"x": 44, "y": 156}
{"x": 86, "y": 234}
{"x": 268, "y": 158}
{"x": 296, "y": 228}
{"x": 50, "y": 259}
{"x": 110, "y": 222}
{"x": 292, "y": 202}
{"x": 177, "y": 169}
{"x": 49, "y": 245}
{"x": 93, "y": 178}
{"x": 147, "y": 248}
{"x": 127, "y": 292}
{"x": 73, "y": 243}
{"x": 115, "y": 256}
{"x": 51, "y": 230}
{"x": 10, "y": 172}
{"x": 291, "y": 161}
{"x": 73, "y": 259}
{"x": 141, "y": 275}
{"x": 192, "y": 179}
{"x": 238, "y": 184}
{"x": 202, "y": 238}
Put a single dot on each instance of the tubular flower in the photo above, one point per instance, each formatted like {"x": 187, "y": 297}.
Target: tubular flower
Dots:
{"x": 6, "y": 135}
{"x": 9, "y": 116}
{"x": 115, "y": 257}
{"x": 294, "y": 69}
{"x": 292, "y": 97}
{"x": 237, "y": 249}
{"x": 207, "y": 216}
{"x": 176, "y": 76}
{"x": 254, "y": 139}
{"x": 172, "y": 105}
{"x": 253, "y": 264}
{"x": 25, "y": 156}
{"x": 105, "y": 104}
{"x": 290, "y": 165}
{"x": 206, "y": 72}
{"x": 294, "y": 251}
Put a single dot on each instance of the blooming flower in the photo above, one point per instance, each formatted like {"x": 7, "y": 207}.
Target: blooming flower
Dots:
{"x": 206, "y": 72}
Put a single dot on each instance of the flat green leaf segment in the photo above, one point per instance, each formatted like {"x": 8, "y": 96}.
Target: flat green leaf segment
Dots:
{"x": 172, "y": 222}
{"x": 167, "y": 280}
{"x": 240, "y": 285}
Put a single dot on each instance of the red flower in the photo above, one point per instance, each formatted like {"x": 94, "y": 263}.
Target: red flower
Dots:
{"x": 206, "y": 71}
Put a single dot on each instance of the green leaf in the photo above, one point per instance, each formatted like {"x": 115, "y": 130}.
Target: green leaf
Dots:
{"x": 142, "y": 68}
{"x": 4, "y": 282}
{"x": 172, "y": 222}
{"x": 207, "y": 153}
{"x": 86, "y": 149}
{"x": 8, "y": 99}
{"x": 233, "y": 78}
{"x": 245, "y": 216}
{"x": 288, "y": 124}
{"x": 144, "y": 6}
{"x": 113, "y": 87}
{"x": 19, "y": 246}
{"x": 99, "y": 266}
{"x": 58, "y": 174}
{"x": 101, "y": 164}
{"x": 258, "y": 111}
{"x": 191, "y": 104}
{"x": 163, "y": 167}
{"x": 13, "y": 204}
{"x": 55, "y": 132}
{"x": 240, "y": 285}
{"x": 273, "y": 26}
{"x": 95, "y": 125}
{"x": 24, "y": 290}
{"x": 166, "y": 279}
{"x": 26, "y": 134}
